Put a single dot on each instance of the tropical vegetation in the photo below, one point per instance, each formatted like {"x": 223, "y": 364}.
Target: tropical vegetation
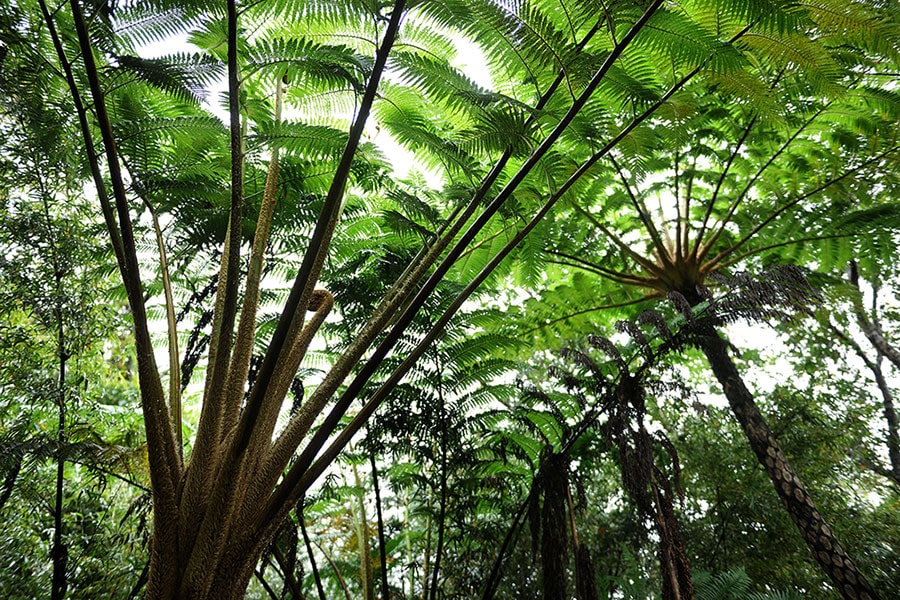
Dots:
{"x": 458, "y": 299}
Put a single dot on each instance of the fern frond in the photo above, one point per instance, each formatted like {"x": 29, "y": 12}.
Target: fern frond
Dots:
{"x": 309, "y": 141}
{"x": 685, "y": 44}
{"x": 185, "y": 76}
{"x": 306, "y": 61}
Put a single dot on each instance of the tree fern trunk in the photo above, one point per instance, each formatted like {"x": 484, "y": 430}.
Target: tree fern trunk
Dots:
{"x": 818, "y": 536}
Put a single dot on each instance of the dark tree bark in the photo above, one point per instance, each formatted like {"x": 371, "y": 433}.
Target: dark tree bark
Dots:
{"x": 382, "y": 543}
{"x": 554, "y": 535}
{"x": 816, "y": 533}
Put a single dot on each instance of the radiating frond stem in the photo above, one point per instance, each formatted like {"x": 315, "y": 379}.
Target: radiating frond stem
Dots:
{"x": 701, "y": 248}
{"x": 717, "y": 260}
{"x": 637, "y": 257}
{"x": 171, "y": 324}
{"x": 612, "y": 274}
{"x": 815, "y": 238}
{"x": 597, "y": 308}
{"x": 614, "y": 277}
{"x": 243, "y": 345}
{"x": 678, "y": 203}
{"x": 165, "y": 464}
{"x": 731, "y": 158}
{"x": 301, "y": 474}
{"x": 649, "y": 226}
{"x": 715, "y": 195}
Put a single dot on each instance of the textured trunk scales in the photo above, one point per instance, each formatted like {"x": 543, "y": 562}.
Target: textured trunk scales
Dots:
{"x": 818, "y": 536}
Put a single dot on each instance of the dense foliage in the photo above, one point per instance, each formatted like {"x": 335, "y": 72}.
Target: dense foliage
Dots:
{"x": 464, "y": 299}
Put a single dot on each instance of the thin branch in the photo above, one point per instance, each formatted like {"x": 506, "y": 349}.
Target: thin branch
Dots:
{"x": 702, "y": 249}
{"x": 870, "y": 328}
{"x": 712, "y": 263}
{"x": 598, "y": 308}
{"x": 649, "y": 226}
{"x": 718, "y": 188}
{"x": 635, "y": 256}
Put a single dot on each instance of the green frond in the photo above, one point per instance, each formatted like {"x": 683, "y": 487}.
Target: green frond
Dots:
{"x": 685, "y": 44}
{"x": 145, "y": 23}
{"x": 440, "y": 82}
{"x": 196, "y": 128}
{"x": 854, "y": 23}
{"x": 723, "y": 586}
{"x": 317, "y": 16}
{"x": 308, "y": 63}
{"x": 414, "y": 206}
{"x": 795, "y": 53}
{"x": 771, "y": 16}
{"x": 416, "y": 126}
{"x": 633, "y": 81}
{"x": 405, "y": 226}
{"x": 309, "y": 141}
{"x": 185, "y": 76}
{"x": 496, "y": 130}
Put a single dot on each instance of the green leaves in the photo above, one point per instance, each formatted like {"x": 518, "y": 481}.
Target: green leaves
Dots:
{"x": 185, "y": 76}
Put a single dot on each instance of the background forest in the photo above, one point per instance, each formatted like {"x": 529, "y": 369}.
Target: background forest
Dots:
{"x": 449, "y": 299}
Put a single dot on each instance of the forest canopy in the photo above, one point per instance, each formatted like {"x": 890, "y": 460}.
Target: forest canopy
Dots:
{"x": 449, "y": 299}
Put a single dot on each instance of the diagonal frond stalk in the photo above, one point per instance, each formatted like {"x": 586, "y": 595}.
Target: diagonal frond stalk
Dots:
{"x": 701, "y": 248}
{"x": 399, "y": 295}
{"x": 612, "y": 274}
{"x": 172, "y": 334}
{"x": 649, "y": 226}
{"x": 171, "y": 327}
{"x": 718, "y": 259}
{"x": 598, "y": 308}
{"x": 164, "y": 457}
{"x": 813, "y": 238}
{"x": 715, "y": 195}
{"x": 635, "y": 256}
{"x": 225, "y": 310}
{"x": 308, "y": 468}
{"x": 165, "y": 465}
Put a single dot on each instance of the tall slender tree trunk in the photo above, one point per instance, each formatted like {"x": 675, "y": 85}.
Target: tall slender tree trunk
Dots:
{"x": 816, "y": 533}
{"x": 890, "y": 417}
{"x": 382, "y": 544}
{"x": 59, "y": 552}
{"x": 554, "y": 533}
